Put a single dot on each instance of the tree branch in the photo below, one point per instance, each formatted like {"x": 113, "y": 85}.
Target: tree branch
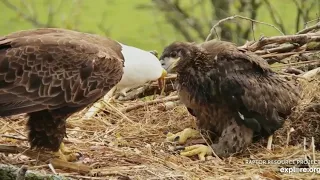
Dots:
{"x": 277, "y": 20}
{"x": 176, "y": 16}
{"x": 254, "y": 8}
{"x": 34, "y": 21}
{"x": 221, "y": 9}
{"x": 240, "y": 17}
{"x": 299, "y": 39}
{"x": 299, "y": 14}
{"x": 308, "y": 29}
{"x": 101, "y": 25}
{"x": 52, "y": 11}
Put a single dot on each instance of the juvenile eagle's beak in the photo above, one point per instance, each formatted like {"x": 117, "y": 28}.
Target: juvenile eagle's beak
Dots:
{"x": 161, "y": 80}
{"x": 170, "y": 64}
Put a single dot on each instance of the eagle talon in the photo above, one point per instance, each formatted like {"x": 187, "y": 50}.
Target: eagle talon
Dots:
{"x": 201, "y": 150}
{"x": 65, "y": 150}
{"x": 67, "y": 157}
{"x": 182, "y": 136}
{"x": 66, "y": 154}
{"x": 176, "y": 138}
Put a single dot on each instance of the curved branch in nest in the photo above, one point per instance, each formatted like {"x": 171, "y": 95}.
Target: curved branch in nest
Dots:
{"x": 156, "y": 101}
{"x": 298, "y": 40}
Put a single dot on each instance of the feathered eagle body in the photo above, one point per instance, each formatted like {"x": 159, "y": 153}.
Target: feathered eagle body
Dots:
{"x": 52, "y": 73}
{"x": 234, "y": 94}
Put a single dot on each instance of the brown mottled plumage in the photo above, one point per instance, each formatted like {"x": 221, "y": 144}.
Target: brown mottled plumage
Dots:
{"x": 52, "y": 73}
{"x": 234, "y": 94}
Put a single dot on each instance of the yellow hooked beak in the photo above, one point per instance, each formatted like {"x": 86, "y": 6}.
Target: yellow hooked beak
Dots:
{"x": 161, "y": 80}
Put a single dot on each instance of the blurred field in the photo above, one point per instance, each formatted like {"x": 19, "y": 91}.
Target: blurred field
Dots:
{"x": 134, "y": 22}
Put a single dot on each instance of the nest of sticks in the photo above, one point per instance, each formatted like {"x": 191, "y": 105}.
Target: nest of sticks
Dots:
{"x": 126, "y": 139}
{"x": 302, "y": 126}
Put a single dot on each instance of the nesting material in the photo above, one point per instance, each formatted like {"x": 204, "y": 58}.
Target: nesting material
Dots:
{"x": 304, "y": 122}
{"x": 134, "y": 147}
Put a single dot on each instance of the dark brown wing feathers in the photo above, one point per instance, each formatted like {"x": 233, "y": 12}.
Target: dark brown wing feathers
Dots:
{"x": 52, "y": 68}
{"x": 252, "y": 89}
{"x": 242, "y": 81}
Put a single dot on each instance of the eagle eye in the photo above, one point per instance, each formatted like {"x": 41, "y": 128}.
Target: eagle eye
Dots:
{"x": 173, "y": 54}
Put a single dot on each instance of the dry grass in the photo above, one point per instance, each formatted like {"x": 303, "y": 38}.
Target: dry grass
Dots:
{"x": 305, "y": 118}
{"x": 133, "y": 147}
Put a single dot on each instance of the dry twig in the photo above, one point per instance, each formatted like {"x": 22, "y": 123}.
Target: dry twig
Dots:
{"x": 308, "y": 29}
{"x": 21, "y": 12}
{"x": 136, "y": 106}
{"x": 299, "y": 40}
{"x": 212, "y": 31}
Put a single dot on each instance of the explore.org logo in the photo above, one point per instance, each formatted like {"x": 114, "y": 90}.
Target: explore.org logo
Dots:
{"x": 299, "y": 170}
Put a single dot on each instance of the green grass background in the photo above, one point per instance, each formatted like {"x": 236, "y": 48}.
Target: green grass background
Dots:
{"x": 144, "y": 28}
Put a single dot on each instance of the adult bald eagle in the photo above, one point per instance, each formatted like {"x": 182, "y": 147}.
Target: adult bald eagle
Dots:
{"x": 233, "y": 94}
{"x": 50, "y": 74}
{"x": 140, "y": 67}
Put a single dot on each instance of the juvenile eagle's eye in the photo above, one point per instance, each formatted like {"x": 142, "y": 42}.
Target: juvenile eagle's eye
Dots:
{"x": 173, "y": 54}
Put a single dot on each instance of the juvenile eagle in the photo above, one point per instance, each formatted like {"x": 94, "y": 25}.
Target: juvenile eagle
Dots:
{"x": 234, "y": 95}
{"x": 51, "y": 73}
